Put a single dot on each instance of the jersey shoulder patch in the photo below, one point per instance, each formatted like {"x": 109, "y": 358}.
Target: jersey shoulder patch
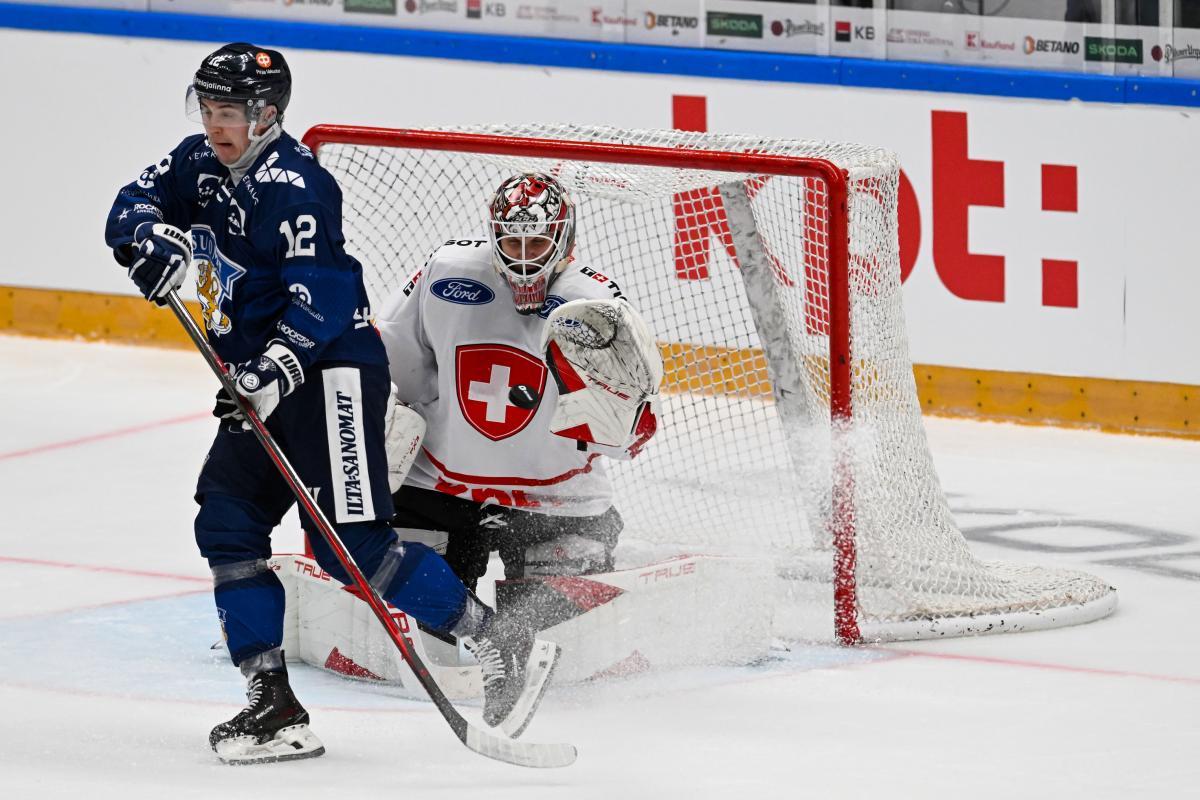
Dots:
{"x": 290, "y": 166}
{"x": 271, "y": 171}
{"x": 585, "y": 283}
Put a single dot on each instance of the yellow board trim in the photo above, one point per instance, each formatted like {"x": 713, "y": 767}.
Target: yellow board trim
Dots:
{"x": 63, "y": 314}
{"x": 1099, "y": 403}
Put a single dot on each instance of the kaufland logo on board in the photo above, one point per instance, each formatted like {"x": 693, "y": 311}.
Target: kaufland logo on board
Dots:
{"x": 975, "y": 41}
{"x": 600, "y": 18}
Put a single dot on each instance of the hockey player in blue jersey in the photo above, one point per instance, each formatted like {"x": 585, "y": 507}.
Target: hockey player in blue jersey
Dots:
{"x": 285, "y": 308}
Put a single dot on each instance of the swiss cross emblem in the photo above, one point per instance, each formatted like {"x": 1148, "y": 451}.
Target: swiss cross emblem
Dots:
{"x": 484, "y": 375}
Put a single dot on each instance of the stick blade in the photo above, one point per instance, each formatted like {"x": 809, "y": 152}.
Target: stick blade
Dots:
{"x": 522, "y": 754}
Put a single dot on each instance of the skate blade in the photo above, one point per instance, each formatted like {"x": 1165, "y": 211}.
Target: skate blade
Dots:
{"x": 289, "y": 744}
{"x": 542, "y": 660}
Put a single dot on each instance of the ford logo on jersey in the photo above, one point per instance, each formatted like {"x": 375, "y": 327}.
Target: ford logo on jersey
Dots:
{"x": 552, "y": 302}
{"x": 463, "y": 291}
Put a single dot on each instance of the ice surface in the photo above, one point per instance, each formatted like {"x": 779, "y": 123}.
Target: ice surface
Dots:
{"x": 108, "y": 686}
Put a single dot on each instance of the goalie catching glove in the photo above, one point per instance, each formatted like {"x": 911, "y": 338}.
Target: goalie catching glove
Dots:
{"x": 608, "y": 370}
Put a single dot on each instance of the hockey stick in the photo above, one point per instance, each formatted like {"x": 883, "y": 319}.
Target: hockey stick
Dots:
{"x": 523, "y": 754}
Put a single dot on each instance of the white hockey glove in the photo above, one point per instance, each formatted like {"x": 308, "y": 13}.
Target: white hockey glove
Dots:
{"x": 265, "y": 380}
{"x": 404, "y": 429}
{"x": 608, "y": 370}
{"x": 161, "y": 257}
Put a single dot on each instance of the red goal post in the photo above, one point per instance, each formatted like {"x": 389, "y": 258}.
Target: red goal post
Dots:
{"x": 810, "y": 362}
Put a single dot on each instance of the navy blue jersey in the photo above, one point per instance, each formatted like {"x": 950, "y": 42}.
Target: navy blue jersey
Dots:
{"x": 269, "y": 251}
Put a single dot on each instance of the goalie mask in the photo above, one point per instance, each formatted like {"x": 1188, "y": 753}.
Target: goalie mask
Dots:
{"x": 531, "y": 223}
{"x": 251, "y": 78}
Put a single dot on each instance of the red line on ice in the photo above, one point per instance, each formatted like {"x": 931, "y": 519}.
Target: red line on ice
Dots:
{"x": 141, "y": 573}
{"x": 55, "y": 612}
{"x": 1012, "y": 662}
{"x": 96, "y": 437}
{"x": 425, "y": 708}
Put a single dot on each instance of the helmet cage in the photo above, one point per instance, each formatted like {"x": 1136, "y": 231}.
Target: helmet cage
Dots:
{"x": 532, "y": 230}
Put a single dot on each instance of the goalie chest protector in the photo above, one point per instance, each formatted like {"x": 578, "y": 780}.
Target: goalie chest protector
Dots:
{"x": 457, "y": 348}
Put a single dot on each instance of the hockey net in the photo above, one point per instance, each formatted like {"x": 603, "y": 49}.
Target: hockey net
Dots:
{"x": 769, "y": 271}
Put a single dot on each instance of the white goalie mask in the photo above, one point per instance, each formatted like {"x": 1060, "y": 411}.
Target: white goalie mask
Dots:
{"x": 531, "y": 224}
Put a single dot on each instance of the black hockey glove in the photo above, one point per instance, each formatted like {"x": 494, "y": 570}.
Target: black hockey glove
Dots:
{"x": 161, "y": 256}
{"x": 227, "y": 410}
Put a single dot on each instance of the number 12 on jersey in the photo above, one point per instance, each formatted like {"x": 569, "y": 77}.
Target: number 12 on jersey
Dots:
{"x": 300, "y": 242}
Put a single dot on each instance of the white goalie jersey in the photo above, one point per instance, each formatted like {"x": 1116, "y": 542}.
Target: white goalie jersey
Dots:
{"x": 459, "y": 351}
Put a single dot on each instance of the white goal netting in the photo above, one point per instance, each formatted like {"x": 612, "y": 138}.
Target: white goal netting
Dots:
{"x": 735, "y": 273}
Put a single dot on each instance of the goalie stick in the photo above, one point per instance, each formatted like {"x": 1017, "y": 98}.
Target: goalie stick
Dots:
{"x": 524, "y": 754}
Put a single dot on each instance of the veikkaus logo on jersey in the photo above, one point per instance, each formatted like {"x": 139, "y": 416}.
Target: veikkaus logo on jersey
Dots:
{"x": 302, "y": 293}
{"x": 463, "y": 291}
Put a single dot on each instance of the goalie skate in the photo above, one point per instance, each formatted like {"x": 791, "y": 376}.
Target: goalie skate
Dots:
{"x": 272, "y": 727}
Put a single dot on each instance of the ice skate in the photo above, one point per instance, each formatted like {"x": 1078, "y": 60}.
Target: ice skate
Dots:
{"x": 516, "y": 671}
{"x": 272, "y": 727}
